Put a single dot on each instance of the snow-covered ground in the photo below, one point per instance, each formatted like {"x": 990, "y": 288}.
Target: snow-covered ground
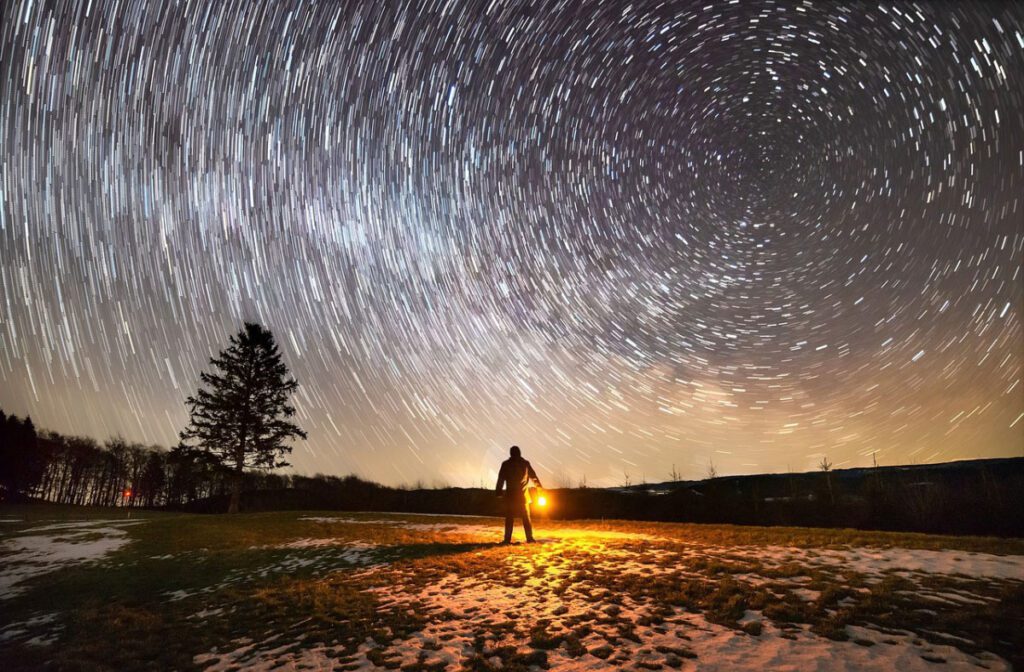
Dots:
{"x": 41, "y": 622}
{"x": 910, "y": 560}
{"x": 46, "y": 548}
{"x": 461, "y": 609}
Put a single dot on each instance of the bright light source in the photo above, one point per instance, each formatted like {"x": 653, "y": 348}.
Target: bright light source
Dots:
{"x": 542, "y": 501}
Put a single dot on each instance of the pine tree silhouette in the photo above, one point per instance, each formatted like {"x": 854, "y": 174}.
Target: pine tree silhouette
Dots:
{"x": 242, "y": 419}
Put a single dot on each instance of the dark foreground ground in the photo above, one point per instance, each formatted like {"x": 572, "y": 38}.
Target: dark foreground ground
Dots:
{"x": 90, "y": 589}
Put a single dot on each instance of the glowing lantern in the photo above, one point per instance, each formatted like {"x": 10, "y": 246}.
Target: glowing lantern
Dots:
{"x": 127, "y": 493}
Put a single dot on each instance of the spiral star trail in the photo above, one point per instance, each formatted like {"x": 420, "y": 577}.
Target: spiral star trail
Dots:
{"x": 625, "y": 236}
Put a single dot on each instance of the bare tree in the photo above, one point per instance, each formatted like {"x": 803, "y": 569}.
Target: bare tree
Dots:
{"x": 561, "y": 479}
{"x": 826, "y": 466}
{"x": 674, "y": 475}
{"x": 712, "y": 472}
{"x": 626, "y": 482}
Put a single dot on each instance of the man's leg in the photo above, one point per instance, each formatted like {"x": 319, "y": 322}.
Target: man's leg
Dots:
{"x": 509, "y": 521}
{"x": 527, "y": 523}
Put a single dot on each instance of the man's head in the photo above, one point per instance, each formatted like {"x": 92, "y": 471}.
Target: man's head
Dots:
{"x": 515, "y": 452}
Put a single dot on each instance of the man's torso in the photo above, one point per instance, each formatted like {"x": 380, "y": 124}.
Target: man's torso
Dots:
{"x": 517, "y": 476}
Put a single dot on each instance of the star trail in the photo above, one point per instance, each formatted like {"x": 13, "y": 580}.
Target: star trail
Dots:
{"x": 624, "y": 236}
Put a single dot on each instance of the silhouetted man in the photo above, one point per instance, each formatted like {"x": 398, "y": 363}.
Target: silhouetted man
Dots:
{"x": 515, "y": 474}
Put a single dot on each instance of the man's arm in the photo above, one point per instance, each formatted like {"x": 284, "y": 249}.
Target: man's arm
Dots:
{"x": 533, "y": 475}
{"x": 501, "y": 479}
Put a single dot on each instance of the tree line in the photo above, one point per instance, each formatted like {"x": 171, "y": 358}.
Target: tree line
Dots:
{"x": 53, "y": 467}
{"x": 65, "y": 469}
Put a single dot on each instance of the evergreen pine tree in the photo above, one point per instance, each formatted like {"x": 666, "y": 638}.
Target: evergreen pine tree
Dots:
{"x": 21, "y": 462}
{"x": 242, "y": 419}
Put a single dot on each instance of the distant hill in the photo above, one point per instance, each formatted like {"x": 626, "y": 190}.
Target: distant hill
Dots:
{"x": 849, "y": 475}
{"x": 980, "y": 497}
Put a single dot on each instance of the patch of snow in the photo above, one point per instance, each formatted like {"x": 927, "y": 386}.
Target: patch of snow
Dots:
{"x": 806, "y": 594}
{"x": 723, "y": 649}
{"x": 312, "y": 543}
{"x": 350, "y": 521}
{"x": 43, "y": 640}
{"x": 351, "y": 553}
{"x": 14, "y": 630}
{"x": 42, "y": 629}
{"x": 880, "y": 560}
{"x": 456, "y": 528}
{"x": 178, "y": 595}
{"x": 82, "y": 525}
{"x": 429, "y": 515}
{"x": 251, "y": 657}
{"x": 336, "y": 557}
{"x": 34, "y": 554}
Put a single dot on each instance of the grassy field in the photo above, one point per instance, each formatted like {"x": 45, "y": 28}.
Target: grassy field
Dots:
{"x": 91, "y": 589}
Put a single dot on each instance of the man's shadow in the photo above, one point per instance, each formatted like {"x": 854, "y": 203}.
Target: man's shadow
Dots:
{"x": 436, "y": 549}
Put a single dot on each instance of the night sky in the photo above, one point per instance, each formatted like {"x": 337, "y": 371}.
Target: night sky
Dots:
{"x": 623, "y": 236}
